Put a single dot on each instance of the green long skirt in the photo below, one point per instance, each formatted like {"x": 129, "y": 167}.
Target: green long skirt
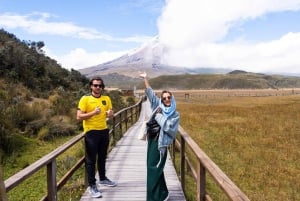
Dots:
{"x": 156, "y": 184}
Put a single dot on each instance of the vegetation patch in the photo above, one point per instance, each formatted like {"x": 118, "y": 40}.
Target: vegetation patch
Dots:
{"x": 254, "y": 140}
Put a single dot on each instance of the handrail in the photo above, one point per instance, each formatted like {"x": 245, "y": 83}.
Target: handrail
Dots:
{"x": 120, "y": 118}
{"x": 204, "y": 164}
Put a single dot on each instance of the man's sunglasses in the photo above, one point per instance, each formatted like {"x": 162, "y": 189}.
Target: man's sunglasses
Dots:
{"x": 98, "y": 85}
{"x": 167, "y": 97}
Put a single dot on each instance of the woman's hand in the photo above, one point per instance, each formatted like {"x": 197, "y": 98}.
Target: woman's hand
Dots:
{"x": 143, "y": 75}
{"x": 158, "y": 110}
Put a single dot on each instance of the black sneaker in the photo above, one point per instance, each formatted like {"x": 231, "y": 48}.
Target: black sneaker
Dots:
{"x": 107, "y": 182}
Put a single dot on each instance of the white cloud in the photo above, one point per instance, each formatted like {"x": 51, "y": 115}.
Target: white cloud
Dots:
{"x": 43, "y": 23}
{"x": 40, "y": 23}
{"x": 80, "y": 58}
{"x": 194, "y": 29}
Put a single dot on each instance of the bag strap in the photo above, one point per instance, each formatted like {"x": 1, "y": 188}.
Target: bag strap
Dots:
{"x": 152, "y": 114}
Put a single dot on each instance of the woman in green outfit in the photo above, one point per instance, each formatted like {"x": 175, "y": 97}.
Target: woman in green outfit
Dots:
{"x": 161, "y": 132}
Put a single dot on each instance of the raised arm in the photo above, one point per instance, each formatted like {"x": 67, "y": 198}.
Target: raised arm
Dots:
{"x": 144, "y": 76}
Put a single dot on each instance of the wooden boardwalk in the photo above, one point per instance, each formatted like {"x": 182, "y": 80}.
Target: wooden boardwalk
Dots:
{"x": 126, "y": 164}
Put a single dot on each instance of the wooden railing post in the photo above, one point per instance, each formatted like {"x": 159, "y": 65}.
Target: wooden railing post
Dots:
{"x": 120, "y": 123}
{"x": 131, "y": 115}
{"x": 51, "y": 181}
{"x": 3, "y": 196}
{"x": 173, "y": 151}
{"x": 182, "y": 162}
{"x": 201, "y": 182}
{"x": 138, "y": 110}
{"x": 114, "y": 128}
{"x": 126, "y": 120}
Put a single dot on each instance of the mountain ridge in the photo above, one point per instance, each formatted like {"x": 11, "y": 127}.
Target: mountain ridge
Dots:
{"x": 233, "y": 80}
{"x": 124, "y": 71}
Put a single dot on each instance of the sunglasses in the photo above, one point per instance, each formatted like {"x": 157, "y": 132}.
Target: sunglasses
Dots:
{"x": 167, "y": 97}
{"x": 98, "y": 85}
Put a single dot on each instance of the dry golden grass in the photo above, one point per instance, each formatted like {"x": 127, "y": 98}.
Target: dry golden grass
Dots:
{"x": 254, "y": 140}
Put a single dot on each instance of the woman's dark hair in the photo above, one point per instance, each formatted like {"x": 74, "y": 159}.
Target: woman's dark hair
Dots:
{"x": 165, "y": 91}
{"x": 97, "y": 78}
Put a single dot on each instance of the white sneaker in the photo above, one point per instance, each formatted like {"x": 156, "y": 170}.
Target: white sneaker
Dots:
{"x": 95, "y": 193}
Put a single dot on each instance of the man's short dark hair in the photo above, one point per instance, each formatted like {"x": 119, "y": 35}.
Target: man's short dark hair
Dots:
{"x": 97, "y": 78}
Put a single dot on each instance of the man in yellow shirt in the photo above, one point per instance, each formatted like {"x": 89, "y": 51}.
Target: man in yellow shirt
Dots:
{"x": 93, "y": 110}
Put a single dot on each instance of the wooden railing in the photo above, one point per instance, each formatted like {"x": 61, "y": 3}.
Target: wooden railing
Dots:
{"x": 118, "y": 127}
{"x": 204, "y": 165}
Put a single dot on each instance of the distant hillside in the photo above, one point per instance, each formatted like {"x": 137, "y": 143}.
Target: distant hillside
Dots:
{"x": 232, "y": 80}
{"x": 115, "y": 80}
{"x": 24, "y": 62}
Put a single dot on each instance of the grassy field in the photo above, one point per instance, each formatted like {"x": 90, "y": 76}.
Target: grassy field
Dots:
{"x": 254, "y": 140}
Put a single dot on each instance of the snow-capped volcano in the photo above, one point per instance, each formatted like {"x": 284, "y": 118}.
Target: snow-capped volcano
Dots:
{"x": 149, "y": 53}
{"x": 148, "y": 58}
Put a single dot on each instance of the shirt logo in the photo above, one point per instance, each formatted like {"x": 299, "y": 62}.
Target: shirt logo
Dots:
{"x": 103, "y": 102}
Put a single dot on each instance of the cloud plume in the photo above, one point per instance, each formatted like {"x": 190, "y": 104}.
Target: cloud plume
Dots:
{"x": 195, "y": 32}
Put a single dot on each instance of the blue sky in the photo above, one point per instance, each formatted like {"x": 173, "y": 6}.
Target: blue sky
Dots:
{"x": 251, "y": 35}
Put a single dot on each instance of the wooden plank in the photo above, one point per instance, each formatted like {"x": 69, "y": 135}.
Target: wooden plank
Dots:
{"x": 126, "y": 164}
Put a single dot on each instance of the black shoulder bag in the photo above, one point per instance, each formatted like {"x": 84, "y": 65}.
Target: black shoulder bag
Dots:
{"x": 153, "y": 128}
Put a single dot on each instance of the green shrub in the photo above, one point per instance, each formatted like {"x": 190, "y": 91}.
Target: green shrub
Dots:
{"x": 43, "y": 133}
{"x": 34, "y": 127}
{"x": 11, "y": 142}
{"x": 116, "y": 99}
{"x": 130, "y": 101}
{"x": 62, "y": 129}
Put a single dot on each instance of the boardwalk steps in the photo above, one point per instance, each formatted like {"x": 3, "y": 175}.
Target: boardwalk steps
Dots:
{"x": 126, "y": 164}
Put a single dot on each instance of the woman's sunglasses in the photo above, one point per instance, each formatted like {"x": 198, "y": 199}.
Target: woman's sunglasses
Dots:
{"x": 167, "y": 97}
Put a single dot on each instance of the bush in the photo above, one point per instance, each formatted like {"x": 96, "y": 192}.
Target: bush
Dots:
{"x": 35, "y": 126}
{"x": 43, "y": 133}
{"x": 11, "y": 142}
{"x": 130, "y": 101}
{"x": 61, "y": 129}
{"x": 117, "y": 101}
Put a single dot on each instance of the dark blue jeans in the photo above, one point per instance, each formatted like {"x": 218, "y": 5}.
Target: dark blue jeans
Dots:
{"x": 96, "y": 145}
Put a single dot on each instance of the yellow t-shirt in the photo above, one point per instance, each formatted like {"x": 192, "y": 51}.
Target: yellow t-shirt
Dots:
{"x": 87, "y": 104}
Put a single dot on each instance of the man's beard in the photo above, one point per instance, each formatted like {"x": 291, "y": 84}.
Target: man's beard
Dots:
{"x": 97, "y": 92}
